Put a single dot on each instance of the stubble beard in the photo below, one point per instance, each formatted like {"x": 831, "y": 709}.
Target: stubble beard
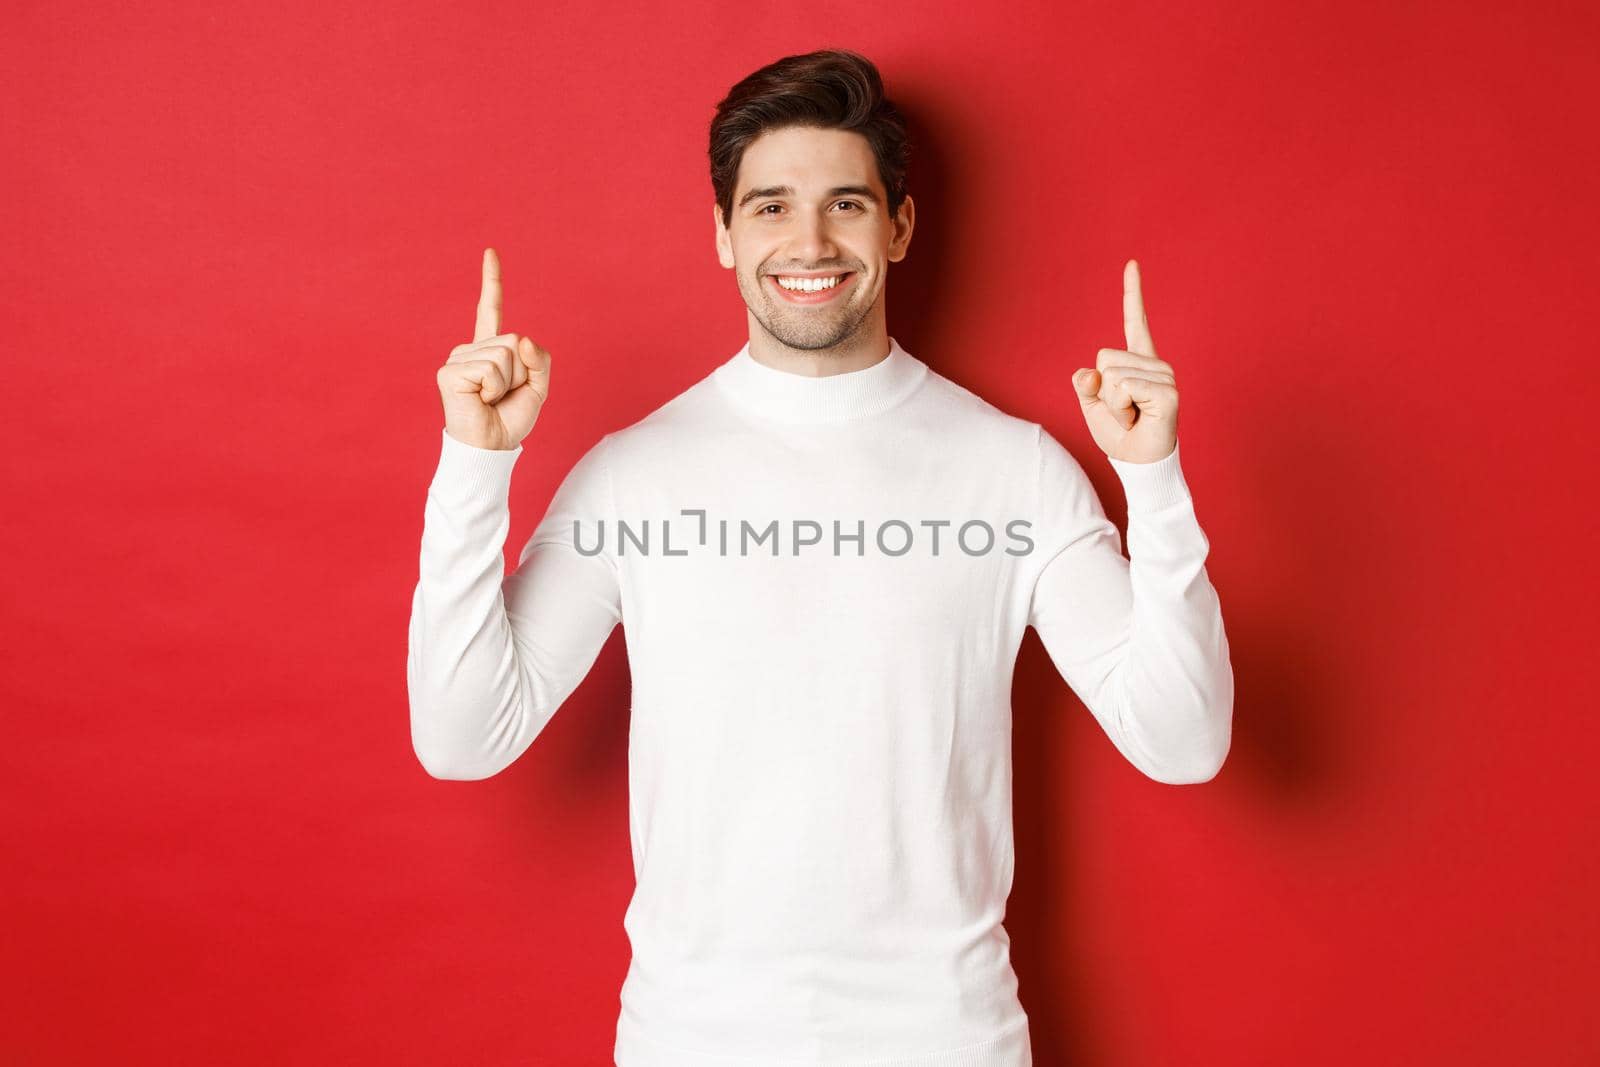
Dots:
{"x": 805, "y": 329}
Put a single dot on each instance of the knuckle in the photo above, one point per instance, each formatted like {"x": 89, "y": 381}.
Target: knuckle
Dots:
{"x": 490, "y": 371}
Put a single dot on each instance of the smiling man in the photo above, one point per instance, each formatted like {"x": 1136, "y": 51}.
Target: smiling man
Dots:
{"x": 810, "y": 238}
{"x": 825, "y": 555}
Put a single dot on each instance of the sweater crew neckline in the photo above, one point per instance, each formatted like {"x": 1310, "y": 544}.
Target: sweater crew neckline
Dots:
{"x": 788, "y": 397}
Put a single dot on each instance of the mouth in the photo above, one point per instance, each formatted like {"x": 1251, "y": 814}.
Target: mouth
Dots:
{"x": 831, "y": 287}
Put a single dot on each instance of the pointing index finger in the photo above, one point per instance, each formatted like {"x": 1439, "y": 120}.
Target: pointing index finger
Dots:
{"x": 1134, "y": 323}
{"x": 488, "y": 324}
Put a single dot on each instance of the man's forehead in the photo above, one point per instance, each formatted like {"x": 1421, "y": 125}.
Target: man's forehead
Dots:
{"x": 835, "y": 185}
{"x": 794, "y": 161}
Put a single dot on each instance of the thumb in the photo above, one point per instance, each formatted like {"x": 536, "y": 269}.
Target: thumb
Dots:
{"x": 537, "y": 361}
{"x": 1086, "y": 381}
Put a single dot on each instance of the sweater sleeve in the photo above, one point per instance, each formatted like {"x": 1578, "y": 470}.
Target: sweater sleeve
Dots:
{"x": 491, "y": 656}
{"x": 1139, "y": 640}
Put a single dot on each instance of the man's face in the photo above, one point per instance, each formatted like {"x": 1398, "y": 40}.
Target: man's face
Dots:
{"x": 810, "y": 202}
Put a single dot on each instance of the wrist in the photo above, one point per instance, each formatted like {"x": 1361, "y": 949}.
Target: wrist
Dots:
{"x": 1152, "y": 486}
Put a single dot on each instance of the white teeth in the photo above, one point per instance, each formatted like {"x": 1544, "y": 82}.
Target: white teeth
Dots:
{"x": 810, "y": 285}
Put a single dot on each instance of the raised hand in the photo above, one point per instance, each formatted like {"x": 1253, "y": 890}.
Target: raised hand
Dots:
{"x": 1129, "y": 399}
{"x": 494, "y": 387}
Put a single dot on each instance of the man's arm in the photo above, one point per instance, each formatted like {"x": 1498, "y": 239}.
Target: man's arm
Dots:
{"x": 1140, "y": 642}
{"x": 492, "y": 657}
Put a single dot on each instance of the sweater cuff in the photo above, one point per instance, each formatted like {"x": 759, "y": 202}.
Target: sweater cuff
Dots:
{"x": 1152, "y": 486}
{"x": 474, "y": 472}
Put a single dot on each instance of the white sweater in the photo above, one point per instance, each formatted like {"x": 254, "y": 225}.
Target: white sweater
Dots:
{"x": 821, "y": 635}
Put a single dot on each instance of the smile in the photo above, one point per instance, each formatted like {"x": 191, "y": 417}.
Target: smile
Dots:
{"x": 797, "y": 290}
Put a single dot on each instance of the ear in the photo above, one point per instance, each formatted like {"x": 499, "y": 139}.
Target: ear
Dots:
{"x": 903, "y": 224}
{"x": 724, "y": 242}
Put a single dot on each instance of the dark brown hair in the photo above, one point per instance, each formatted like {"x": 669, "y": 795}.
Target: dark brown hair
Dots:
{"x": 830, "y": 89}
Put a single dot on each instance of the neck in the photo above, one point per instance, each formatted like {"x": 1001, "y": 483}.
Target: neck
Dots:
{"x": 834, "y": 394}
{"x": 855, "y": 353}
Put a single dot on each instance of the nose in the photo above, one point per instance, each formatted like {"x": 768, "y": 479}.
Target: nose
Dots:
{"x": 813, "y": 241}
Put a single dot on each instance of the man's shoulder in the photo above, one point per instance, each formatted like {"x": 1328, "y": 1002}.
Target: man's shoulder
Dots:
{"x": 968, "y": 412}
{"x": 669, "y": 422}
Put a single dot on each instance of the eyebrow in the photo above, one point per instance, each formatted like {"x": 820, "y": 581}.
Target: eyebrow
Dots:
{"x": 788, "y": 190}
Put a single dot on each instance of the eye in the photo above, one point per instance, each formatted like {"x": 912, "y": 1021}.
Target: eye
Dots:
{"x": 763, "y": 210}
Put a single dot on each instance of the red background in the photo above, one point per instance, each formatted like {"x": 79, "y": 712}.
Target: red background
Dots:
{"x": 238, "y": 245}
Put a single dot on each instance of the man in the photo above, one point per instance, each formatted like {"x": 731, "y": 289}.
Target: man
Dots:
{"x": 825, "y": 555}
